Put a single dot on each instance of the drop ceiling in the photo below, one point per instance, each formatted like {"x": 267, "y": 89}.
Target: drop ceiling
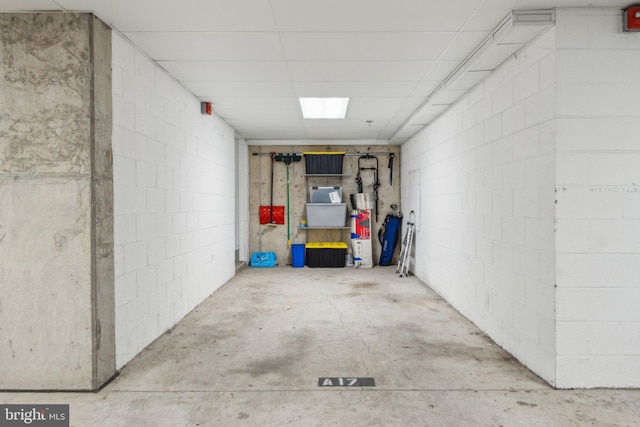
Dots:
{"x": 252, "y": 59}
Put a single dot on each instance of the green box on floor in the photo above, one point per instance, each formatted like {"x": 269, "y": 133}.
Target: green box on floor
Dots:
{"x": 326, "y": 254}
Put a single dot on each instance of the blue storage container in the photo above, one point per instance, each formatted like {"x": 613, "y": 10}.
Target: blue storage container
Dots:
{"x": 263, "y": 259}
{"x": 297, "y": 255}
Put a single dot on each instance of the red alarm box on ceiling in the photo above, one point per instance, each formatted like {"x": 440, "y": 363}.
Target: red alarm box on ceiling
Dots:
{"x": 631, "y": 18}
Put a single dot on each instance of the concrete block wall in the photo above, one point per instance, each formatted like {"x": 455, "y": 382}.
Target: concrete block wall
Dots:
{"x": 561, "y": 115}
{"x": 598, "y": 200}
{"x": 485, "y": 238}
{"x": 174, "y": 175}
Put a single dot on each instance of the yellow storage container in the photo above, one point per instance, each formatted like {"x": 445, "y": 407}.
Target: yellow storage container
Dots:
{"x": 326, "y": 254}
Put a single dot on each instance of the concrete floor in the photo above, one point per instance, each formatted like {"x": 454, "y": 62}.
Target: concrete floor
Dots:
{"x": 253, "y": 352}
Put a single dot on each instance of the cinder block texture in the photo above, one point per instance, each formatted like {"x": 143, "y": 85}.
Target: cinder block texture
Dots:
{"x": 494, "y": 149}
{"x": 597, "y": 224}
{"x": 174, "y": 191}
{"x": 56, "y": 224}
{"x": 559, "y": 288}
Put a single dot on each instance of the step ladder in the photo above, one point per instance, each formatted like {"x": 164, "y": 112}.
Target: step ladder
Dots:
{"x": 407, "y": 242}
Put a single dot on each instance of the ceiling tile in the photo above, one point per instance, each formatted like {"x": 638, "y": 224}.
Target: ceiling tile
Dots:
{"x": 353, "y": 89}
{"x": 448, "y": 97}
{"x": 425, "y": 88}
{"x": 341, "y": 129}
{"x": 373, "y": 108}
{"x": 495, "y": 56}
{"x": 466, "y": 81}
{"x": 372, "y": 15}
{"x": 220, "y": 46}
{"x": 231, "y": 71}
{"x": 464, "y": 44}
{"x": 241, "y": 89}
{"x": 25, "y": 5}
{"x": 409, "y": 106}
{"x": 187, "y": 15}
{"x": 253, "y": 58}
{"x": 270, "y": 130}
{"x": 364, "y": 46}
{"x": 442, "y": 69}
{"x": 366, "y": 71}
{"x": 232, "y": 107}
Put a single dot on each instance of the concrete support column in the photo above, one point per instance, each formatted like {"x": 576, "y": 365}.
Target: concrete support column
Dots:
{"x": 56, "y": 202}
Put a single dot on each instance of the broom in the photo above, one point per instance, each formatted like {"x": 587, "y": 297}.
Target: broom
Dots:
{"x": 287, "y": 159}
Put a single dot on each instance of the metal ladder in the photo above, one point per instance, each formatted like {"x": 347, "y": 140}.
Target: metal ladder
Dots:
{"x": 407, "y": 242}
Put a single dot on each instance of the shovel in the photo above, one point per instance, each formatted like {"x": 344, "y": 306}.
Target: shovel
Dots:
{"x": 272, "y": 215}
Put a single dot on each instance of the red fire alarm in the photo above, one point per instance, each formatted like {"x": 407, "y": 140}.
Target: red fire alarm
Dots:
{"x": 631, "y": 18}
{"x": 206, "y": 108}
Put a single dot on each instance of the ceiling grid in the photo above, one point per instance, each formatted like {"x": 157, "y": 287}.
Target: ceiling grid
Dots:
{"x": 253, "y": 59}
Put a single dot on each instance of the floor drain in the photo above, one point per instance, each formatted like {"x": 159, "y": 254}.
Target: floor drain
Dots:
{"x": 346, "y": 382}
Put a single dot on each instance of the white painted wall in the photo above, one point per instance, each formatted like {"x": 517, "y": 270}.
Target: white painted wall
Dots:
{"x": 487, "y": 175}
{"x": 598, "y": 209}
{"x": 563, "y": 115}
{"x": 174, "y": 173}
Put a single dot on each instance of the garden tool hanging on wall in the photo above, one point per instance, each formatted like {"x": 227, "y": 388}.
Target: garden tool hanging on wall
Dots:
{"x": 287, "y": 159}
{"x": 272, "y": 215}
{"x": 376, "y": 183}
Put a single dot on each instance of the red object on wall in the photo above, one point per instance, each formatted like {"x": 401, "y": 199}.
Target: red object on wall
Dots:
{"x": 206, "y": 108}
{"x": 266, "y": 213}
{"x": 631, "y": 18}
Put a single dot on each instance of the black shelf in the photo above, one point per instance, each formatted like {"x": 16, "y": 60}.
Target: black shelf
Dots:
{"x": 326, "y": 174}
{"x": 324, "y": 228}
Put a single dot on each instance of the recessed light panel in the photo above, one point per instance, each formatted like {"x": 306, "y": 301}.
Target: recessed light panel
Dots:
{"x": 324, "y": 108}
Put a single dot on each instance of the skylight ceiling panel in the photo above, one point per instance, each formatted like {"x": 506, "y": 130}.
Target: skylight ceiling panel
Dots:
{"x": 227, "y": 71}
{"x": 364, "y": 46}
{"x": 203, "y": 46}
{"x": 324, "y": 108}
{"x": 185, "y": 15}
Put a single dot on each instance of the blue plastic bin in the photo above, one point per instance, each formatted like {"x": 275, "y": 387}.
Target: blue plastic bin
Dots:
{"x": 297, "y": 255}
{"x": 263, "y": 259}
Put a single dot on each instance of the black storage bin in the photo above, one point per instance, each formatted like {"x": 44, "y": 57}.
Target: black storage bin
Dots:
{"x": 326, "y": 254}
{"x": 324, "y": 162}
